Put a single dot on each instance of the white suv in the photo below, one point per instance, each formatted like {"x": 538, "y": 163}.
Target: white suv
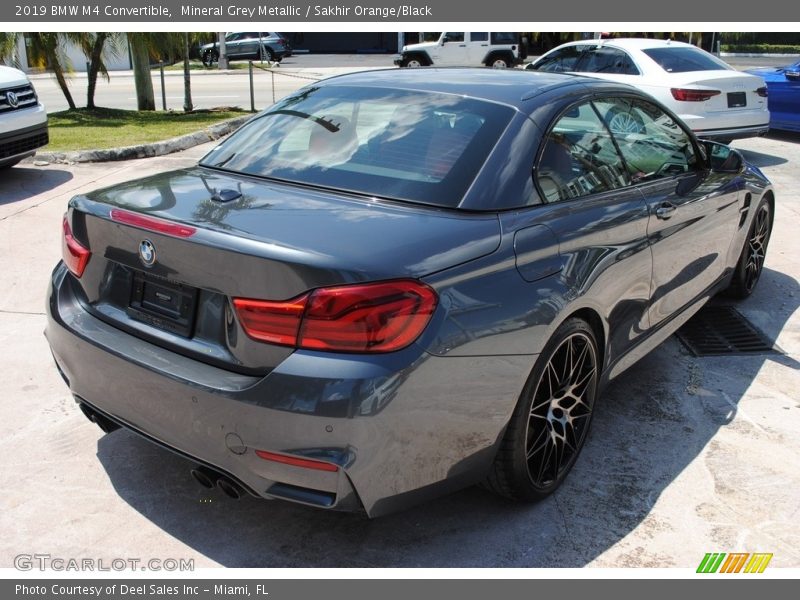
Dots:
{"x": 464, "y": 49}
{"x": 23, "y": 120}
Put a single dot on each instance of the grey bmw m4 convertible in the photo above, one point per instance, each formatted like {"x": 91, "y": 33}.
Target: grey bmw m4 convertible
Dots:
{"x": 393, "y": 284}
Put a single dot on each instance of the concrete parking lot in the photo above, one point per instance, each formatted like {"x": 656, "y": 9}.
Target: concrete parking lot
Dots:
{"x": 686, "y": 456}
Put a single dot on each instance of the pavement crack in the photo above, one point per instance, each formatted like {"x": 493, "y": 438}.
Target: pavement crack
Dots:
{"x": 566, "y": 527}
{"x": 21, "y": 312}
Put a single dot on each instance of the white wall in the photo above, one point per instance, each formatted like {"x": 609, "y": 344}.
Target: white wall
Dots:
{"x": 78, "y": 60}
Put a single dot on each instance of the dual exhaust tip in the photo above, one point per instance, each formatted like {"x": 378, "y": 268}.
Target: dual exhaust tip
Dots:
{"x": 210, "y": 479}
{"x": 206, "y": 477}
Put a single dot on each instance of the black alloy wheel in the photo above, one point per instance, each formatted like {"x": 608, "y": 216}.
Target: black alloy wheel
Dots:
{"x": 552, "y": 419}
{"x": 751, "y": 262}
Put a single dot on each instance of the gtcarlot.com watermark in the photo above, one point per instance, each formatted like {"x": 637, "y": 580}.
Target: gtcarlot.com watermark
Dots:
{"x": 45, "y": 562}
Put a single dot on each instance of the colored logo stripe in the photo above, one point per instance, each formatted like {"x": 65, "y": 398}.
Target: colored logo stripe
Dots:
{"x": 758, "y": 563}
{"x": 752, "y": 563}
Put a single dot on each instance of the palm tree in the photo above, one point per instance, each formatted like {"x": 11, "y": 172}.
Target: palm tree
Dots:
{"x": 95, "y": 46}
{"x": 140, "y": 45}
{"x": 187, "y": 82}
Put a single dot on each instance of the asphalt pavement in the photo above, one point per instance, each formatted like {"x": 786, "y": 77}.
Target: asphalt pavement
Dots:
{"x": 686, "y": 456}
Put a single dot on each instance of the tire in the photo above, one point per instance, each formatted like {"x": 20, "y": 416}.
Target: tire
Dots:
{"x": 498, "y": 62}
{"x": 751, "y": 261}
{"x": 552, "y": 417}
{"x": 210, "y": 57}
{"x": 412, "y": 62}
{"x": 621, "y": 121}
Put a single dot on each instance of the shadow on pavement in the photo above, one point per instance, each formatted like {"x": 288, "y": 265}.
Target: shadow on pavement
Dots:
{"x": 21, "y": 182}
{"x": 651, "y": 423}
{"x": 784, "y": 136}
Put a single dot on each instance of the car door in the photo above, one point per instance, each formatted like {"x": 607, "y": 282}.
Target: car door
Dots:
{"x": 477, "y": 47}
{"x": 600, "y": 222}
{"x": 453, "y": 52}
{"x": 248, "y": 45}
{"x": 233, "y": 43}
{"x": 693, "y": 217}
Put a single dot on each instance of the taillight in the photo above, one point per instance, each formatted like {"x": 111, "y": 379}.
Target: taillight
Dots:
{"x": 372, "y": 317}
{"x": 689, "y": 95}
{"x": 762, "y": 91}
{"x": 305, "y": 463}
{"x": 273, "y": 322}
{"x": 152, "y": 223}
{"x": 74, "y": 254}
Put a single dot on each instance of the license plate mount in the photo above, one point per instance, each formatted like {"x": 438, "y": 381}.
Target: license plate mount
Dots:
{"x": 163, "y": 304}
{"x": 737, "y": 99}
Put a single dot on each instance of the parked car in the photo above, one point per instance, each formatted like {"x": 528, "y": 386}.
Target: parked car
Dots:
{"x": 713, "y": 99}
{"x": 464, "y": 49}
{"x": 783, "y": 84}
{"x": 266, "y": 45}
{"x": 23, "y": 119}
{"x": 393, "y": 284}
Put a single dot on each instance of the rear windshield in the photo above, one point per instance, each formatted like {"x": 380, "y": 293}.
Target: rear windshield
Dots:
{"x": 683, "y": 60}
{"x": 414, "y": 146}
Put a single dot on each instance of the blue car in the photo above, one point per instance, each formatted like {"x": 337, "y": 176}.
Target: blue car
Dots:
{"x": 783, "y": 86}
{"x": 393, "y": 284}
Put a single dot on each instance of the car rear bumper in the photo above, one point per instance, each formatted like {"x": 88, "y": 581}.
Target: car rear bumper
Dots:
{"x": 400, "y": 428}
{"x": 733, "y": 133}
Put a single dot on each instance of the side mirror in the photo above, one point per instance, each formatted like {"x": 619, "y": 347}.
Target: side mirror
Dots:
{"x": 792, "y": 75}
{"x": 722, "y": 158}
{"x": 443, "y": 41}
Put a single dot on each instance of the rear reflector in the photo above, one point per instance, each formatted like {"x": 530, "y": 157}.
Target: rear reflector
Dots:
{"x": 305, "y": 463}
{"x": 74, "y": 254}
{"x": 373, "y": 317}
{"x": 690, "y": 95}
{"x": 152, "y": 223}
{"x": 762, "y": 91}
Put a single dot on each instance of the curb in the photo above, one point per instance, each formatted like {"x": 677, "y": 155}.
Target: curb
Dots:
{"x": 184, "y": 142}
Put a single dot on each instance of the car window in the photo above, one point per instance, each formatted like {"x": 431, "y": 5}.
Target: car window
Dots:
{"x": 457, "y": 36}
{"x": 606, "y": 60}
{"x": 232, "y": 37}
{"x": 560, "y": 61}
{"x": 653, "y": 145}
{"x": 579, "y": 158}
{"x": 415, "y": 146}
{"x": 504, "y": 38}
{"x": 479, "y": 37}
{"x": 681, "y": 59}
{"x": 250, "y": 35}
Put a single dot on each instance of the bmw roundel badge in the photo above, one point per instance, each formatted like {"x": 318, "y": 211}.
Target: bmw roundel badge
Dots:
{"x": 147, "y": 253}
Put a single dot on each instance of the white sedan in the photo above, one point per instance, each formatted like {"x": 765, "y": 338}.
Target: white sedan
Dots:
{"x": 713, "y": 99}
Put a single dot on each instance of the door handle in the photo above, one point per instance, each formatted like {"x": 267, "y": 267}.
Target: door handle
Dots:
{"x": 665, "y": 210}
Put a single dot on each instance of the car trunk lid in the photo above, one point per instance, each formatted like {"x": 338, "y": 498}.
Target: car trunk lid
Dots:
{"x": 215, "y": 237}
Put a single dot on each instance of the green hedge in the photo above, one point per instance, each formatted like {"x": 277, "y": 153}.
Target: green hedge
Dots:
{"x": 762, "y": 48}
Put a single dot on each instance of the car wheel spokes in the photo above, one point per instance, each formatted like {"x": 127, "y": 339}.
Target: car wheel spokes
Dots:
{"x": 560, "y": 411}
{"x": 757, "y": 248}
{"x": 624, "y": 123}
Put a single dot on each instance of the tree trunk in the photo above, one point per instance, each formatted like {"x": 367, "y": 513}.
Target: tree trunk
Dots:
{"x": 94, "y": 67}
{"x": 187, "y": 82}
{"x": 145, "y": 99}
{"x": 62, "y": 83}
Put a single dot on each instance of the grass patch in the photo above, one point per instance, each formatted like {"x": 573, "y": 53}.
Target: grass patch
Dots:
{"x": 84, "y": 129}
